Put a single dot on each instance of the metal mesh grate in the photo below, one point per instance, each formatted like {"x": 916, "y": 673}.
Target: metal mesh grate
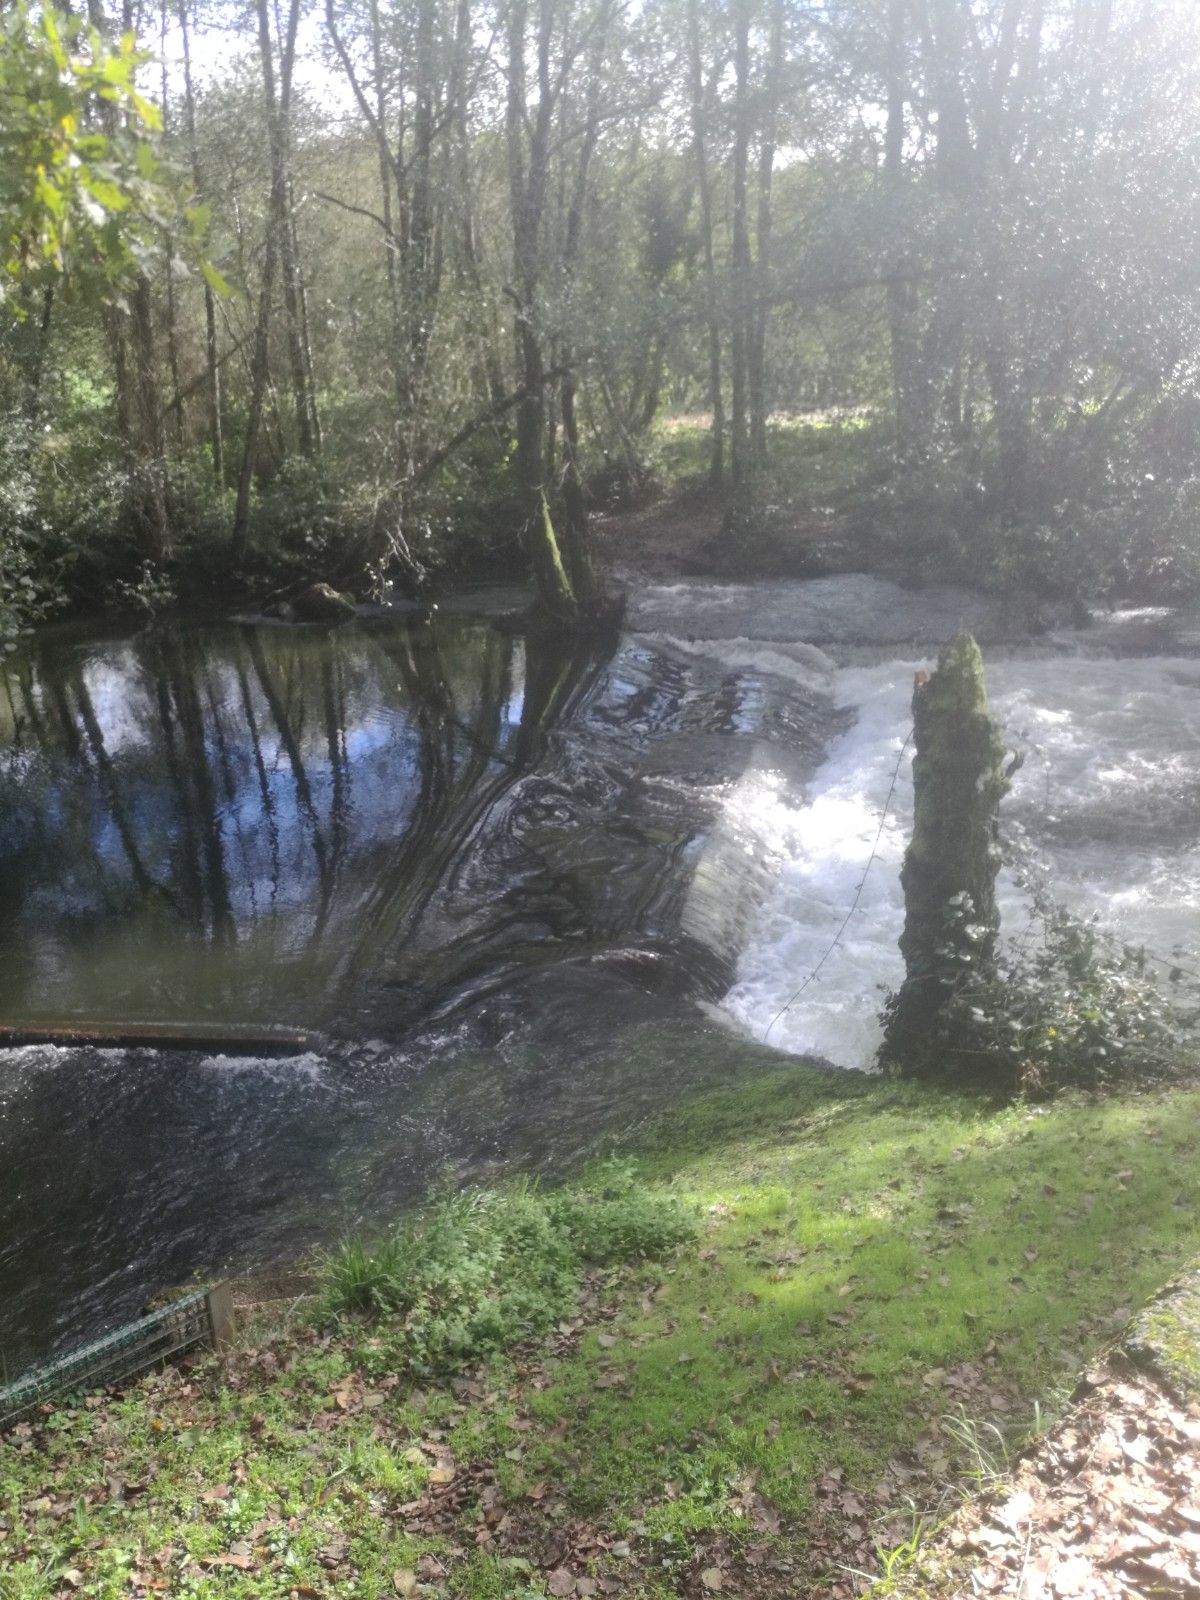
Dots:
{"x": 127, "y": 1351}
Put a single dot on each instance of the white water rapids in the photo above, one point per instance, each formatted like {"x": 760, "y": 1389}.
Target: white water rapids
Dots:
{"x": 1109, "y": 796}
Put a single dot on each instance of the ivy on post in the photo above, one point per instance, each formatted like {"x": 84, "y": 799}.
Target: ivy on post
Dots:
{"x": 949, "y": 874}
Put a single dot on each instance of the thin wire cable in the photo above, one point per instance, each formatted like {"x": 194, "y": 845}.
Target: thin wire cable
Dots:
{"x": 837, "y": 938}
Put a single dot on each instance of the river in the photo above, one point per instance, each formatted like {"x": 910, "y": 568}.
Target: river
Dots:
{"x": 474, "y": 861}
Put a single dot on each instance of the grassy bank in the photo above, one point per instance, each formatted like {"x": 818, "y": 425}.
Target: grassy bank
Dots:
{"x": 878, "y": 1283}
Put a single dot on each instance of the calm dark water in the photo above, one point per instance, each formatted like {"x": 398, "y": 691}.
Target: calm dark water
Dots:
{"x": 472, "y": 860}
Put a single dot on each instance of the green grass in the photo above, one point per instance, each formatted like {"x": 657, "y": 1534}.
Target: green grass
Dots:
{"x": 480, "y": 1271}
{"x": 882, "y": 1274}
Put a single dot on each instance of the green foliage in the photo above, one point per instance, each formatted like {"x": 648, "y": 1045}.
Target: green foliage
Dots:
{"x": 1069, "y": 1005}
{"x": 34, "y": 563}
{"x": 150, "y": 592}
{"x": 480, "y": 1271}
{"x": 82, "y": 188}
{"x": 619, "y": 1218}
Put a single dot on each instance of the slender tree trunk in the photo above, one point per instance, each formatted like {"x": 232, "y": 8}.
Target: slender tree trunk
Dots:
{"x": 463, "y": 187}
{"x": 716, "y": 470}
{"x": 577, "y": 553}
{"x": 314, "y": 417}
{"x": 172, "y": 342}
{"x": 910, "y": 412}
{"x": 130, "y": 334}
{"x": 954, "y": 171}
{"x": 764, "y": 225}
{"x": 211, "y": 357}
{"x": 150, "y": 494}
{"x": 527, "y": 180}
{"x": 289, "y": 260}
{"x": 420, "y": 285}
{"x": 297, "y": 367}
{"x": 276, "y": 210}
{"x": 740, "y": 256}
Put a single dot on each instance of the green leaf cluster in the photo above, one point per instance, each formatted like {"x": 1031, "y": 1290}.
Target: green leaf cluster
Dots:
{"x": 85, "y": 195}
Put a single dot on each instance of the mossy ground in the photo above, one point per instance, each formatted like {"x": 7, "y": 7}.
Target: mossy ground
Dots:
{"x": 1166, "y": 1337}
{"x": 873, "y": 1260}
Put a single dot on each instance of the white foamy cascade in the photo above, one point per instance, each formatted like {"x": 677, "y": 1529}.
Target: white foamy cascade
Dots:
{"x": 1109, "y": 795}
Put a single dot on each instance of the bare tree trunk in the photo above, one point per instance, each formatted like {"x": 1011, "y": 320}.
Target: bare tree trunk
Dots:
{"x": 740, "y": 255}
{"x": 276, "y": 211}
{"x": 953, "y": 168}
{"x": 150, "y": 495}
{"x": 172, "y": 343}
{"x": 314, "y": 419}
{"x": 772, "y": 91}
{"x": 577, "y": 553}
{"x": 716, "y": 470}
{"x": 910, "y": 413}
{"x": 130, "y": 334}
{"x": 383, "y": 151}
{"x": 562, "y": 570}
{"x": 213, "y": 394}
{"x": 420, "y": 256}
{"x": 462, "y": 185}
{"x": 297, "y": 367}
{"x": 527, "y": 183}
{"x": 281, "y": 155}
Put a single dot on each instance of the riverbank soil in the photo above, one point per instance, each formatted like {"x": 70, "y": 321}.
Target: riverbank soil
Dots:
{"x": 809, "y": 505}
{"x": 890, "y": 1291}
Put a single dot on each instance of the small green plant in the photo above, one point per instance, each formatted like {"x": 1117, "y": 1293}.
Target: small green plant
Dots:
{"x": 363, "y": 1277}
{"x": 481, "y": 1270}
{"x": 895, "y": 1562}
{"x": 150, "y": 592}
{"x": 985, "y": 1455}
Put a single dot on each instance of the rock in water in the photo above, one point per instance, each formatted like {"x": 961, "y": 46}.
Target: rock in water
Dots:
{"x": 321, "y": 603}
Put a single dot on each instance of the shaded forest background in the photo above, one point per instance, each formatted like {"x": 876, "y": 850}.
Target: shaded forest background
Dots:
{"x": 473, "y": 268}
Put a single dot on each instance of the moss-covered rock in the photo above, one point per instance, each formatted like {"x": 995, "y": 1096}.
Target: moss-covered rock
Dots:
{"x": 321, "y": 603}
{"x": 1165, "y": 1337}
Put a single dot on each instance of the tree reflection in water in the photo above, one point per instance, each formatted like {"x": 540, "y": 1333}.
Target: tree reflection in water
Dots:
{"x": 244, "y": 819}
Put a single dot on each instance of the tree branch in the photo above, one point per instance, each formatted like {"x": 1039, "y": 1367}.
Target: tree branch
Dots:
{"x": 360, "y": 211}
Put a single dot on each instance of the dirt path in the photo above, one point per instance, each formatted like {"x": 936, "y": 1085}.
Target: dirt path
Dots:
{"x": 682, "y": 536}
{"x": 661, "y": 540}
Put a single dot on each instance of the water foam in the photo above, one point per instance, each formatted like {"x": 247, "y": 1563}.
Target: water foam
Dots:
{"x": 802, "y": 664}
{"x": 1109, "y": 796}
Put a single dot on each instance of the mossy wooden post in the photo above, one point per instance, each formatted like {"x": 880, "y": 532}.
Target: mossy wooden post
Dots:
{"x": 949, "y": 874}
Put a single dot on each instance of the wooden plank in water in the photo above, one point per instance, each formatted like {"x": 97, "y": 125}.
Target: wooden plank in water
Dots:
{"x": 212, "y": 1038}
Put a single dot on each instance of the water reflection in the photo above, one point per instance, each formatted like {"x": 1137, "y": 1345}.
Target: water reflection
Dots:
{"x": 237, "y": 819}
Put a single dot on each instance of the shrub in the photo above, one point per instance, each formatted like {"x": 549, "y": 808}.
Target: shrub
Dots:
{"x": 1069, "y": 1005}
{"x": 480, "y": 1271}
